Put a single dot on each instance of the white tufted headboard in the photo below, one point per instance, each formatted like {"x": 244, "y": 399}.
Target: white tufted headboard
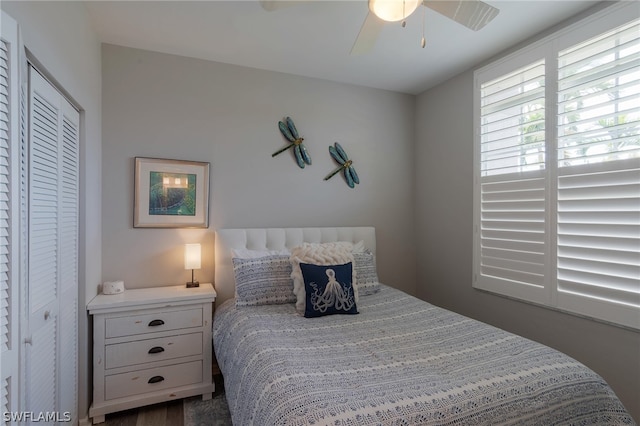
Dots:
{"x": 276, "y": 239}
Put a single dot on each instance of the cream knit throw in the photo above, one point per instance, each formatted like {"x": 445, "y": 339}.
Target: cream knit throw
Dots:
{"x": 337, "y": 253}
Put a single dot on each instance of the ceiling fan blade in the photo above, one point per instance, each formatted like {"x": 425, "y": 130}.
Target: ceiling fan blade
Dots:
{"x": 368, "y": 35}
{"x": 473, "y": 14}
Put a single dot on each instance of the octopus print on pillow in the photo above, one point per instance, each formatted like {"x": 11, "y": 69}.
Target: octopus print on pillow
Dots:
{"x": 329, "y": 290}
{"x": 337, "y": 253}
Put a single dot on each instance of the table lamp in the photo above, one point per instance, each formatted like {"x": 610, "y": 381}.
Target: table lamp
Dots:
{"x": 192, "y": 257}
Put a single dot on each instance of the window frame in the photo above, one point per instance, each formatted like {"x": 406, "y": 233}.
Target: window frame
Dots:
{"x": 546, "y": 49}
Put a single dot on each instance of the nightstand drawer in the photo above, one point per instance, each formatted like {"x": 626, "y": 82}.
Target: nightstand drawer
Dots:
{"x": 149, "y": 323}
{"x": 143, "y": 351}
{"x": 152, "y": 379}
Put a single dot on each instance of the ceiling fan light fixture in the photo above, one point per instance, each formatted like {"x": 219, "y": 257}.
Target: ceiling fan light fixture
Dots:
{"x": 393, "y": 10}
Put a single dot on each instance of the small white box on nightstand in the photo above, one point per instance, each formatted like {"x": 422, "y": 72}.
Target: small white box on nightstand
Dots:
{"x": 113, "y": 287}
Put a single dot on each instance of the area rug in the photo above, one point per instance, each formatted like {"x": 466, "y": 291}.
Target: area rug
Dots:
{"x": 214, "y": 412}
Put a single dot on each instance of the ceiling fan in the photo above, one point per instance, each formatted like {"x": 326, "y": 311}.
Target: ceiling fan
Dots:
{"x": 473, "y": 14}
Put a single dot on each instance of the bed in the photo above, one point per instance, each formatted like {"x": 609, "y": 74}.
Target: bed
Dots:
{"x": 399, "y": 361}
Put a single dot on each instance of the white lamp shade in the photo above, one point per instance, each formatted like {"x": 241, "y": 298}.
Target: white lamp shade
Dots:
{"x": 192, "y": 256}
{"x": 393, "y": 10}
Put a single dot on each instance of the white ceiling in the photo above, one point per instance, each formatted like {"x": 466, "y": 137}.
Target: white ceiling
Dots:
{"x": 314, "y": 38}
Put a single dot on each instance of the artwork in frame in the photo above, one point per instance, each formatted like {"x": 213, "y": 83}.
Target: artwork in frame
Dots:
{"x": 171, "y": 194}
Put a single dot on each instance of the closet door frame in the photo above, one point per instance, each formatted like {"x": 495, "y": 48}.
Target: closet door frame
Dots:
{"x": 13, "y": 213}
{"x": 23, "y": 374}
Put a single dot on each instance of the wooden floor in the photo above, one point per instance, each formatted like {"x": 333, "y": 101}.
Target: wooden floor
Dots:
{"x": 164, "y": 414}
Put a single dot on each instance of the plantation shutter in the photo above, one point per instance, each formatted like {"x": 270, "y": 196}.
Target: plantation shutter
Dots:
{"x": 511, "y": 238}
{"x": 9, "y": 214}
{"x": 557, "y": 171}
{"x": 599, "y": 176}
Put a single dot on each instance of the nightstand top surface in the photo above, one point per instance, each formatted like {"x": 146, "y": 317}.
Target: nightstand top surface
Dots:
{"x": 152, "y": 296}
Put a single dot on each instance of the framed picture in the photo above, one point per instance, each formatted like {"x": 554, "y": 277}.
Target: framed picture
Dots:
{"x": 171, "y": 194}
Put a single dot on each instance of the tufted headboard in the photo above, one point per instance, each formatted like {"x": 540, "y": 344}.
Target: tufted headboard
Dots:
{"x": 276, "y": 239}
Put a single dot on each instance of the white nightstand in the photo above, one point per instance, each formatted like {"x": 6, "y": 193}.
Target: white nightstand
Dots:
{"x": 150, "y": 345}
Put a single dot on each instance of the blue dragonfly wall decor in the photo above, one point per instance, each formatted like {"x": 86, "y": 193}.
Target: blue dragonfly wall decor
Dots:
{"x": 346, "y": 165}
{"x": 290, "y": 132}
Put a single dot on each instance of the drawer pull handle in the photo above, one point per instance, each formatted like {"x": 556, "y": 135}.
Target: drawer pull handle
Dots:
{"x": 156, "y": 323}
{"x": 156, "y": 379}
{"x": 156, "y": 350}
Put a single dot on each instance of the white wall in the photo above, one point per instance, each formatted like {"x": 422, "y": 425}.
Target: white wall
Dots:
{"x": 444, "y": 203}
{"x": 159, "y": 105}
{"x": 60, "y": 38}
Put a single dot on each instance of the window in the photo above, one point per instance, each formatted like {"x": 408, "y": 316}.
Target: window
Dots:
{"x": 557, "y": 171}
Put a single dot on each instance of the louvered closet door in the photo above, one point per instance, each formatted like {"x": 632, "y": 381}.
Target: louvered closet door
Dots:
{"x": 9, "y": 214}
{"x": 68, "y": 227}
{"x": 51, "y": 371}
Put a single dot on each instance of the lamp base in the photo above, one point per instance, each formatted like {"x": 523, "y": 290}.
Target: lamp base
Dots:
{"x": 193, "y": 284}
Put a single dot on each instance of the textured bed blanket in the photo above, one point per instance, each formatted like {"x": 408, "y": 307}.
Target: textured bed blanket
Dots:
{"x": 401, "y": 361}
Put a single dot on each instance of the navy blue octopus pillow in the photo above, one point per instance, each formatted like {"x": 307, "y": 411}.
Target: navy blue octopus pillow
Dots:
{"x": 329, "y": 289}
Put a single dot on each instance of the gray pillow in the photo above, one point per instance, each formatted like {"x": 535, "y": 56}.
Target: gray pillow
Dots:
{"x": 263, "y": 281}
{"x": 366, "y": 273}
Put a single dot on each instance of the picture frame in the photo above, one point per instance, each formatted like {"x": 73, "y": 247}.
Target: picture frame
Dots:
{"x": 171, "y": 193}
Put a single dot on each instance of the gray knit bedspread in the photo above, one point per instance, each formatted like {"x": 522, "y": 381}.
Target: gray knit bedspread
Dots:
{"x": 400, "y": 361}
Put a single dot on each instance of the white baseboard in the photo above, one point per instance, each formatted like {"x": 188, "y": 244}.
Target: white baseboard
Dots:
{"x": 85, "y": 421}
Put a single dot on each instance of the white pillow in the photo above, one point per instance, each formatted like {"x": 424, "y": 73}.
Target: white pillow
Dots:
{"x": 337, "y": 253}
{"x": 244, "y": 253}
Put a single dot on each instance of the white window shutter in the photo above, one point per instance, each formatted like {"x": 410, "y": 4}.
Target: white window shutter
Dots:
{"x": 557, "y": 180}
{"x": 512, "y": 114}
{"x": 510, "y": 238}
{"x": 9, "y": 214}
{"x": 598, "y": 235}
{"x": 599, "y": 241}
{"x": 598, "y": 92}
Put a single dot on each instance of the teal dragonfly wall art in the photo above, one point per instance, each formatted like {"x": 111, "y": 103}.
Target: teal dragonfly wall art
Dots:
{"x": 346, "y": 165}
{"x": 290, "y": 132}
